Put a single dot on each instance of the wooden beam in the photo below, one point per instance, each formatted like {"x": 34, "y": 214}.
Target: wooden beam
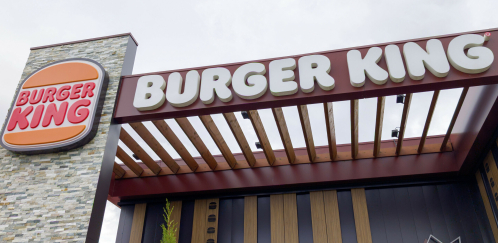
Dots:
{"x": 200, "y": 221}
{"x": 277, "y": 227}
{"x": 139, "y": 151}
{"x": 137, "y": 224}
{"x": 251, "y": 219}
{"x": 332, "y": 216}
{"x": 128, "y": 161}
{"x": 176, "y": 216}
{"x": 378, "y": 124}
{"x": 404, "y": 120}
{"x": 290, "y": 218}
{"x": 329, "y": 123}
{"x": 241, "y": 139}
{"x": 189, "y": 130}
{"x": 118, "y": 171}
{"x": 453, "y": 119}
{"x": 308, "y": 135}
{"x": 155, "y": 145}
{"x": 354, "y": 128}
{"x": 166, "y": 131}
{"x": 263, "y": 138}
{"x": 318, "y": 222}
{"x": 218, "y": 139}
{"x": 428, "y": 121}
{"x": 278, "y": 114}
{"x": 362, "y": 223}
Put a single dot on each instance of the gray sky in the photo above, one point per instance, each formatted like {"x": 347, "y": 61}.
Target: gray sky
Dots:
{"x": 183, "y": 34}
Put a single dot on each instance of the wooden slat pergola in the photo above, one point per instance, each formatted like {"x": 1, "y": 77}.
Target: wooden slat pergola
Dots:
{"x": 229, "y": 161}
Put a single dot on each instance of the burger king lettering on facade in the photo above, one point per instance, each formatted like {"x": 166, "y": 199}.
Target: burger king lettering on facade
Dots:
{"x": 56, "y": 108}
{"x": 250, "y": 81}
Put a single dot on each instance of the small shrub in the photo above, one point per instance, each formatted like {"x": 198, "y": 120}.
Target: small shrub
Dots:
{"x": 169, "y": 230}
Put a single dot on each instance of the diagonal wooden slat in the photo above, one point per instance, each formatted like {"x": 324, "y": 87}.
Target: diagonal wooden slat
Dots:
{"x": 128, "y": 161}
{"x": 189, "y": 130}
{"x": 453, "y": 119}
{"x": 118, "y": 171}
{"x": 404, "y": 120}
{"x": 263, "y": 138}
{"x": 329, "y": 123}
{"x": 354, "y": 128}
{"x": 139, "y": 151}
{"x": 241, "y": 139}
{"x": 278, "y": 114}
{"x": 218, "y": 139}
{"x": 308, "y": 135}
{"x": 378, "y": 124}
{"x": 166, "y": 131}
{"x": 144, "y": 133}
{"x": 428, "y": 121}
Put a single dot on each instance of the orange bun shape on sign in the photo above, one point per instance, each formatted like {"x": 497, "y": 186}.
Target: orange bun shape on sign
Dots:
{"x": 62, "y": 73}
{"x": 50, "y": 135}
{"x": 57, "y": 108}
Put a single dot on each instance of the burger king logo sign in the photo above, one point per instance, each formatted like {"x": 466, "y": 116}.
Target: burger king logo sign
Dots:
{"x": 56, "y": 107}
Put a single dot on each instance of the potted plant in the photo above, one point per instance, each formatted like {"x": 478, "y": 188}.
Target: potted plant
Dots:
{"x": 169, "y": 230}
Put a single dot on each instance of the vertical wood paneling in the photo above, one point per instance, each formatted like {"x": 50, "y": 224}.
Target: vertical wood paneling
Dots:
{"x": 290, "y": 218}
{"x": 492, "y": 174}
{"x": 200, "y": 219}
{"x": 480, "y": 211}
{"x": 487, "y": 205}
{"x": 153, "y": 220}
{"x": 137, "y": 225}
{"x": 176, "y": 216}
{"x": 332, "y": 217}
{"x": 362, "y": 222}
{"x": 304, "y": 225}
{"x": 348, "y": 230}
{"x": 318, "y": 217}
{"x": 251, "y": 219}
{"x": 211, "y": 224}
{"x": 277, "y": 218}
{"x": 264, "y": 219}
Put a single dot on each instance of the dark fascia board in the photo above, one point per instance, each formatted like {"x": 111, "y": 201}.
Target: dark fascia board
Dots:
{"x": 85, "y": 40}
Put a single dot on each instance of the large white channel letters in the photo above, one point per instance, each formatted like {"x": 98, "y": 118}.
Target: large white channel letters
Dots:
{"x": 478, "y": 58}
{"x": 315, "y": 68}
{"x": 358, "y": 67}
{"x": 282, "y": 77}
{"x": 149, "y": 94}
{"x": 190, "y": 93}
{"x": 256, "y": 83}
{"x": 216, "y": 80}
{"x": 465, "y": 53}
{"x": 394, "y": 63}
{"x": 417, "y": 59}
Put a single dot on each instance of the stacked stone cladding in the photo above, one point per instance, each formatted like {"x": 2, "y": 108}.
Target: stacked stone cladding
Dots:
{"x": 49, "y": 197}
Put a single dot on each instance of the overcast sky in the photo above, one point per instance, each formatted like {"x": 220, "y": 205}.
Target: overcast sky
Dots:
{"x": 183, "y": 34}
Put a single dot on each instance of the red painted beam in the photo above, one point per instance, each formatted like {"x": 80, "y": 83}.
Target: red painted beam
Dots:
{"x": 281, "y": 176}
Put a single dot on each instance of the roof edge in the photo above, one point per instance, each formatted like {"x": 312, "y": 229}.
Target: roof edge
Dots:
{"x": 85, "y": 40}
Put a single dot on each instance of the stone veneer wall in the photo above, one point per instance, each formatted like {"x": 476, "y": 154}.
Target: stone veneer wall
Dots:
{"x": 49, "y": 197}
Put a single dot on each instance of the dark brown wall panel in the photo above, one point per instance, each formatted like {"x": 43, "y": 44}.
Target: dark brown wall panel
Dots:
{"x": 304, "y": 218}
{"x": 346, "y": 215}
{"x": 264, "y": 220}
